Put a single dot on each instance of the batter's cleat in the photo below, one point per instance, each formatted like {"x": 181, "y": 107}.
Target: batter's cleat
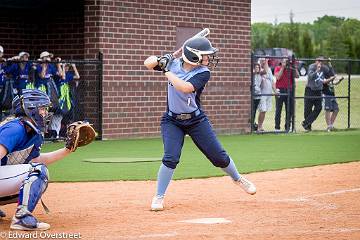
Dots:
{"x": 28, "y": 223}
{"x": 245, "y": 184}
{"x": 157, "y": 203}
{"x": 2, "y": 214}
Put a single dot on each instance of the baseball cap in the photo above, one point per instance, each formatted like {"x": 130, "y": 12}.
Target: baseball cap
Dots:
{"x": 320, "y": 58}
{"x": 46, "y": 54}
{"x": 23, "y": 54}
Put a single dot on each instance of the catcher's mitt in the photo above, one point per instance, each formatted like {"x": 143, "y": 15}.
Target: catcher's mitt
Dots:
{"x": 79, "y": 134}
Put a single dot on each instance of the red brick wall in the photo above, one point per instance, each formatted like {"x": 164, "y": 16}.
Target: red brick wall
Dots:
{"x": 129, "y": 31}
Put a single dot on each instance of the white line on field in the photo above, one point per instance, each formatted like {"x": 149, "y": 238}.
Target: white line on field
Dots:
{"x": 158, "y": 235}
{"x": 334, "y": 230}
{"x": 336, "y": 192}
{"x": 308, "y": 198}
{"x": 206, "y": 220}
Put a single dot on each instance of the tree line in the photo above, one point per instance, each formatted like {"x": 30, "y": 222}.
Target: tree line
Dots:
{"x": 330, "y": 36}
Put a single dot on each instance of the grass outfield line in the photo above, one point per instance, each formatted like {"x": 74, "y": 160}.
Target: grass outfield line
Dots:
{"x": 251, "y": 153}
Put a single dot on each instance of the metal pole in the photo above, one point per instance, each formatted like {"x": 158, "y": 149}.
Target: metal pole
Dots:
{"x": 349, "y": 91}
{"x": 252, "y": 94}
{"x": 100, "y": 93}
{"x": 289, "y": 66}
{"x": 293, "y": 95}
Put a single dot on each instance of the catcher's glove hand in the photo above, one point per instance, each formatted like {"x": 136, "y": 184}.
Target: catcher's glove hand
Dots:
{"x": 79, "y": 134}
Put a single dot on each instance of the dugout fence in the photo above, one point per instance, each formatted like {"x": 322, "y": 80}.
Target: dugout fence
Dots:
{"x": 346, "y": 93}
{"x": 80, "y": 99}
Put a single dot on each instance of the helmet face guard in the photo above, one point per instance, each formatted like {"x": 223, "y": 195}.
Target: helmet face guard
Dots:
{"x": 213, "y": 60}
{"x": 29, "y": 104}
{"x": 41, "y": 122}
{"x": 196, "y": 48}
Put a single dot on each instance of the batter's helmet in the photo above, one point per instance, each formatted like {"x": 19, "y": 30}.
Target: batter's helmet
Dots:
{"x": 28, "y": 104}
{"x": 195, "y": 48}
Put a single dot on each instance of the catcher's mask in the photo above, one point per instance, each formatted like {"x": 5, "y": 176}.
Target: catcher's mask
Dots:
{"x": 34, "y": 104}
{"x": 195, "y": 48}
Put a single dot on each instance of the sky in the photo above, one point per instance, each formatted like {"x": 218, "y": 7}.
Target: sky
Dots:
{"x": 305, "y": 11}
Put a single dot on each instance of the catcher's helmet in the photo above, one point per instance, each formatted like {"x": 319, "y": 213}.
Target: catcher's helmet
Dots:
{"x": 28, "y": 104}
{"x": 195, "y": 48}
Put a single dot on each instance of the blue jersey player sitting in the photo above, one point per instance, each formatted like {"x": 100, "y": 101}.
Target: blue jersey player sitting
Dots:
{"x": 187, "y": 75}
{"x": 23, "y": 172}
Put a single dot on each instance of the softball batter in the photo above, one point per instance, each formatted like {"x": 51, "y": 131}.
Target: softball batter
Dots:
{"x": 187, "y": 72}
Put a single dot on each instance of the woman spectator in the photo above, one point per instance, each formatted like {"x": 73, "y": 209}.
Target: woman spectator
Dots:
{"x": 69, "y": 72}
{"x": 2, "y": 77}
{"x": 46, "y": 74}
{"x": 65, "y": 99}
{"x": 267, "y": 87}
{"x": 256, "y": 92}
{"x": 20, "y": 71}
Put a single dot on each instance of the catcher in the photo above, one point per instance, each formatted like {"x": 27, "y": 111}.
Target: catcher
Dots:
{"x": 23, "y": 169}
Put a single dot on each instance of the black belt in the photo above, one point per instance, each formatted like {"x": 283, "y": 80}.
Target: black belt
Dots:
{"x": 184, "y": 116}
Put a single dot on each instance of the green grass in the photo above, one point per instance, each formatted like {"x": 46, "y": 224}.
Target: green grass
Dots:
{"x": 320, "y": 124}
{"x": 251, "y": 153}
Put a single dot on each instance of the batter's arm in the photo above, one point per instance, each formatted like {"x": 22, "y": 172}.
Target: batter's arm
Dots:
{"x": 151, "y": 62}
{"x": 179, "y": 84}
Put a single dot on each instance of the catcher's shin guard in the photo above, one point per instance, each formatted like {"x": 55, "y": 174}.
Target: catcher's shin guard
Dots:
{"x": 33, "y": 187}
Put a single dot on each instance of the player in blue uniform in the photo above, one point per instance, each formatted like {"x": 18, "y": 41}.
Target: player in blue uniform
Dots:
{"x": 20, "y": 71}
{"x": 23, "y": 170}
{"x": 187, "y": 75}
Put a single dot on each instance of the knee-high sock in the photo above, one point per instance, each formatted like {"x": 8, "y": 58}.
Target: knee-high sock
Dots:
{"x": 232, "y": 171}
{"x": 164, "y": 177}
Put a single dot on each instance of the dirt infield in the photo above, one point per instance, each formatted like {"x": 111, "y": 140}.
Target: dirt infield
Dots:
{"x": 309, "y": 203}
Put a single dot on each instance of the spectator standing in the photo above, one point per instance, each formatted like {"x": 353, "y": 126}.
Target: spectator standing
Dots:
{"x": 20, "y": 71}
{"x": 46, "y": 71}
{"x": 256, "y": 92}
{"x": 2, "y": 78}
{"x": 46, "y": 74}
{"x": 66, "y": 105}
{"x": 330, "y": 104}
{"x": 267, "y": 87}
{"x": 317, "y": 74}
{"x": 65, "y": 99}
{"x": 285, "y": 75}
{"x": 7, "y": 86}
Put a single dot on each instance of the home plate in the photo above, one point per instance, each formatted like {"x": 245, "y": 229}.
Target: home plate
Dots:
{"x": 207, "y": 220}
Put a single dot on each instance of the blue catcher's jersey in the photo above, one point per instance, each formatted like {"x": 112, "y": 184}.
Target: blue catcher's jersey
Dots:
{"x": 179, "y": 102}
{"x": 22, "y": 146}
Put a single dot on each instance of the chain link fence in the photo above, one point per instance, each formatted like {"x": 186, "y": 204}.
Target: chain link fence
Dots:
{"x": 293, "y": 98}
{"x": 73, "y": 98}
